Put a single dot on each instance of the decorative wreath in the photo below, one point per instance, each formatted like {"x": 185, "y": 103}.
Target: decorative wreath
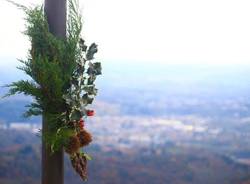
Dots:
{"x": 62, "y": 84}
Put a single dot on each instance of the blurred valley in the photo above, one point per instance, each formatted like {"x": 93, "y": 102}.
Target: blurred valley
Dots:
{"x": 154, "y": 124}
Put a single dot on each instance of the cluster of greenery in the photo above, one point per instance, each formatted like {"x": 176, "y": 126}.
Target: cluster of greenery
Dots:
{"x": 62, "y": 74}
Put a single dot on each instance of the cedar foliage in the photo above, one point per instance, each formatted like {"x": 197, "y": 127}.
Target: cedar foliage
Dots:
{"x": 62, "y": 75}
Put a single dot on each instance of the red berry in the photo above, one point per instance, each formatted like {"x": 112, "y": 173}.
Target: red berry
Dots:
{"x": 90, "y": 113}
{"x": 81, "y": 125}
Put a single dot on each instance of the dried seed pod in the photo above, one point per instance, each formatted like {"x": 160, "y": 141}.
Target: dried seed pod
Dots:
{"x": 79, "y": 163}
{"x": 84, "y": 137}
{"x": 73, "y": 145}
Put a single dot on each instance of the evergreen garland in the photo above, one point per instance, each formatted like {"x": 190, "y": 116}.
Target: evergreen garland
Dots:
{"x": 62, "y": 84}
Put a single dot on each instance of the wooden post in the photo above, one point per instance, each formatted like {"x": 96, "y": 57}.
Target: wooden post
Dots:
{"x": 53, "y": 164}
{"x": 55, "y": 10}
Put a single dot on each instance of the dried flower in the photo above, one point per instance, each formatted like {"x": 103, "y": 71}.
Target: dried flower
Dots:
{"x": 79, "y": 163}
{"x": 73, "y": 145}
{"x": 84, "y": 137}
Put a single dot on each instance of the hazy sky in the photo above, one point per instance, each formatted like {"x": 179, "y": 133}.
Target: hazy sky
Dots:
{"x": 166, "y": 31}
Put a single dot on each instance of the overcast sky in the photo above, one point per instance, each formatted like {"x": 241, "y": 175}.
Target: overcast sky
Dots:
{"x": 164, "y": 31}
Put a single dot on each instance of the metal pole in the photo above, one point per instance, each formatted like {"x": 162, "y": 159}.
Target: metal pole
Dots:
{"x": 53, "y": 164}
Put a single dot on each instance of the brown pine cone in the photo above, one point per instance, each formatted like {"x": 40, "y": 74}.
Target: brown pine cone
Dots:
{"x": 79, "y": 163}
{"x": 84, "y": 137}
{"x": 73, "y": 145}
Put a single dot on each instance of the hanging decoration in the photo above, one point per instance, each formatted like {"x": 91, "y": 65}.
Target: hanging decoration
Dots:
{"x": 62, "y": 83}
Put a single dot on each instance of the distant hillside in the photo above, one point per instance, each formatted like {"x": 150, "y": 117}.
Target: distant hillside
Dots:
{"x": 11, "y": 110}
{"x": 158, "y": 90}
{"x": 20, "y": 164}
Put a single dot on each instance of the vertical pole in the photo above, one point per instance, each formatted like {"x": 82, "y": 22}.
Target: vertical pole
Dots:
{"x": 55, "y": 10}
{"x": 53, "y": 164}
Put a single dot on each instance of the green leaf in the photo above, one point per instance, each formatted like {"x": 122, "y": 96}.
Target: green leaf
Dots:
{"x": 60, "y": 138}
{"x": 91, "y": 51}
{"x": 86, "y": 99}
{"x": 90, "y": 89}
{"x": 76, "y": 114}
{"x": 88, "y": 157}
{"x": 98, "y": 68}
{"x": 82, "y": 45}
{"x": 91, "y": 80}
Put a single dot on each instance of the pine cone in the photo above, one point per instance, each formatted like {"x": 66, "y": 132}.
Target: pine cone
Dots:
{"x": 79, "y": 163}
{"x": 84, "y": 137}
{"x": 73, "y": 145}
